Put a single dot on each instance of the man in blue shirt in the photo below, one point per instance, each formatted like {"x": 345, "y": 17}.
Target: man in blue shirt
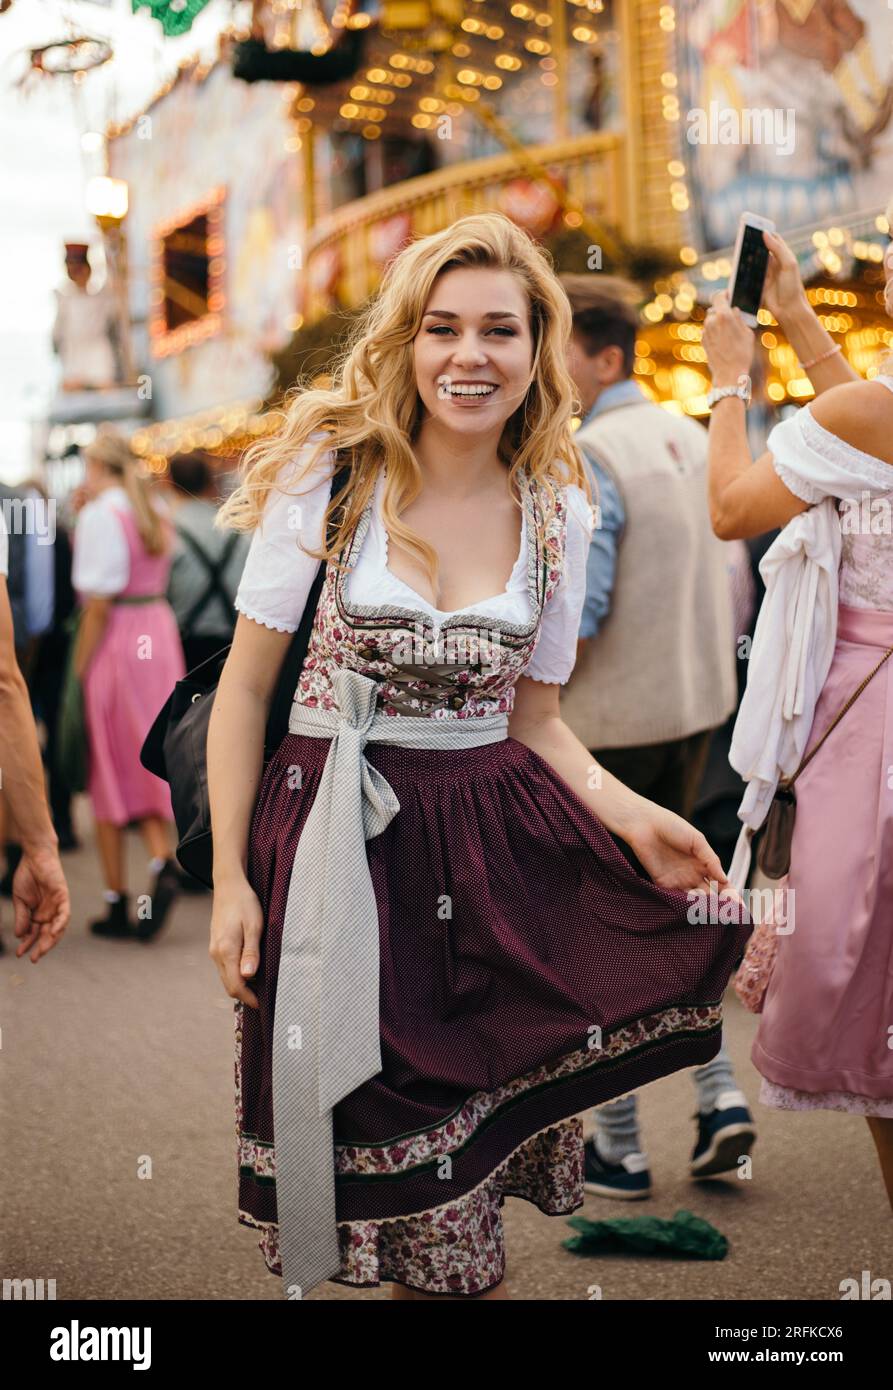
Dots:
{"x": 601, "y": 566}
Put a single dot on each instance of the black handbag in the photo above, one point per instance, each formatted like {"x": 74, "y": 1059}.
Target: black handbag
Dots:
{"x": 175, "y": 748}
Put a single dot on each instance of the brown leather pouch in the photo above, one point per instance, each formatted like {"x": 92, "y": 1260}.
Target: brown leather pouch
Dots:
{"x": 774, "y": 849}
{"x": 777, "y": 831}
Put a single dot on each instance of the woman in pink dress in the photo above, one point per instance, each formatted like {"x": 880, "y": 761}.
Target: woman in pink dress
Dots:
{"x": 128, "y": 658}
{"x": 825, "y": 1039}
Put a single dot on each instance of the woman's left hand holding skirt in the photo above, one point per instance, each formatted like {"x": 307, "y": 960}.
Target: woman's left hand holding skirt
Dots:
{"x": 675, "y": 854}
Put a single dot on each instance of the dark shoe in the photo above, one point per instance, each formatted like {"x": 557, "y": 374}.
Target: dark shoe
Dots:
{"x": 116, "y": 921}
{"x": 67, "y": 840}
{"x": 629, "y": 1180}
{"x": 725, "y": 1135}
{"x": 165, "y": 891}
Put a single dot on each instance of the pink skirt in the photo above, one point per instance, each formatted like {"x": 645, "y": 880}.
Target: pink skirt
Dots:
{"x": 139, "y": 660}
{"x": 825, "y": 1038}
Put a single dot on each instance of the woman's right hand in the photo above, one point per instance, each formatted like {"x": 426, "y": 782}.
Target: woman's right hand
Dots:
{"x": 237, "y": 922}
{"x": 783, "y": 291}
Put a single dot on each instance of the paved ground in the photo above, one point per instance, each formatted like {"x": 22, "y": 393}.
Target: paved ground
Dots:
{"x": 113, "y": 1052}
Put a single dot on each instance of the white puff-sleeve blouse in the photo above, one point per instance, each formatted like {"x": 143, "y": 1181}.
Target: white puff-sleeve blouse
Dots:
{"x": 279, "y": 572}
{"x": 100, "y": 563}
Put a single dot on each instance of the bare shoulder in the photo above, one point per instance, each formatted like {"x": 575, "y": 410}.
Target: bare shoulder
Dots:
{"x": 860, "y": 413}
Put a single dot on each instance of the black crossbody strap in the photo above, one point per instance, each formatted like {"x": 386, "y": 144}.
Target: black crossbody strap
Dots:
{"x": 280, "y": 709}
{"x": 789, "y": 781}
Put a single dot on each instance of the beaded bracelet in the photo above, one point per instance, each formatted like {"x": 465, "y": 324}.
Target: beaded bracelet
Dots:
{"x": 822, "y": 358}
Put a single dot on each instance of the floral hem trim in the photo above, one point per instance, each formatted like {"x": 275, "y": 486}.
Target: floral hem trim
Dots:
{"x": 459, "y": 1247}
{"x": 400, "y": 1155}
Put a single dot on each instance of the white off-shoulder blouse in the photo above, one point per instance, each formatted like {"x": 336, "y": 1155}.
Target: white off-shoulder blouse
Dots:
{"x": 279, "y": 572}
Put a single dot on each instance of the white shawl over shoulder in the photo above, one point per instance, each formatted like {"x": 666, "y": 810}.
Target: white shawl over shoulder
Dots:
{"x": 796, "y": 630}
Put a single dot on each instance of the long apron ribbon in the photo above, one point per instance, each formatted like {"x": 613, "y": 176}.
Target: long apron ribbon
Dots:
{"x": 326, "y": 1038}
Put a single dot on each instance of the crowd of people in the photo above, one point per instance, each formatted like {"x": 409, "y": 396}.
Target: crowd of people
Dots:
{"x": 132, "y": 585}
{"x": 484, "y": 863}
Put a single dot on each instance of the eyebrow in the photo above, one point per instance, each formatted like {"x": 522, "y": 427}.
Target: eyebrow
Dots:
{"x": 494, "y": 314}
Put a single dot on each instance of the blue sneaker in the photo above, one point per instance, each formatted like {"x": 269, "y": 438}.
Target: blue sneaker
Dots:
{"x": 629, "y": 1180}
{"x": 725, "y": 1135}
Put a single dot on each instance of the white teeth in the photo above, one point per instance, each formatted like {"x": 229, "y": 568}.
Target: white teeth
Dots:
{"x": 472, "y": 390}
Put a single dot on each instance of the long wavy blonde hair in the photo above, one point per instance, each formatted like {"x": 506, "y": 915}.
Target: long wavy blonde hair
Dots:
{"x": 372, "y": 412}
{"x": 112, "y": 451}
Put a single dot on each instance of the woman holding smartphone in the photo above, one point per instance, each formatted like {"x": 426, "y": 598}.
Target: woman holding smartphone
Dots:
{"x": 439, "y": 953}
{"x": 824, "y": 1040}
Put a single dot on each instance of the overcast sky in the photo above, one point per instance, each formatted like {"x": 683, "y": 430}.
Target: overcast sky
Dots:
{"x": 44, "y": 172}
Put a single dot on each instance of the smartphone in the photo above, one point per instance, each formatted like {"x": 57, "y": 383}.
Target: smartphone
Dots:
{"x": 749, "y": 266}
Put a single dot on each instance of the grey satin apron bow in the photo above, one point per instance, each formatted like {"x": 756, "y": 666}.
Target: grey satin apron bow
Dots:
{"x": 326, "y": 1039}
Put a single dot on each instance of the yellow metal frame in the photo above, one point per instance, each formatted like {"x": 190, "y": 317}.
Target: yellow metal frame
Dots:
{"x": 614, "y": 178}
{"x": 591, "y": 165}
{"x": 652, "y": 141}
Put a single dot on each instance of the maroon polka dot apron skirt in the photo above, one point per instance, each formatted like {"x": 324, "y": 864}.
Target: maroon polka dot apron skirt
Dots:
{"x": 527, "y": 973}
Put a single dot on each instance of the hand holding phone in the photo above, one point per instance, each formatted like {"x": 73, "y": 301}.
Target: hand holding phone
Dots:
{"x": 783, "y": 292}
{"x": 729, "y": 343}
{"x": 749, "y": 266}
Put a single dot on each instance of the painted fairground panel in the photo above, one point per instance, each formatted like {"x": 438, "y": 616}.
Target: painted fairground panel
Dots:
{"x": 212, "y": 156}
{"x": 786, "y": 110}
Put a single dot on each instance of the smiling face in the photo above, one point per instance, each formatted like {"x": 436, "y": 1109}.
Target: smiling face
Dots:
{"x": 474, "y": 350}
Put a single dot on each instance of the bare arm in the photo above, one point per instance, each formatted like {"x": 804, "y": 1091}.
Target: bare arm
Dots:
{"x": 785, "y": 297}
{"x": 809, "y": 340}
{"x": 745, "y": 498}
{"x": 42, "y": 907}
{"x": 236, "y": 739}
{"x": 235, "y": 764}
{"x": 674, "y": 853}
{"x": 22, "y": 769}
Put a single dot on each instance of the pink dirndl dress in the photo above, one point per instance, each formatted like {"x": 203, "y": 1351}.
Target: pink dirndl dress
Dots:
{"x": 131, "y": 674}
{"x": 825, "y": 1040}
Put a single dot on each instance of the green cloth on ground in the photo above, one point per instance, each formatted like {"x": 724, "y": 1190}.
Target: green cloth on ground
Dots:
{"x": 686, "y": 1235}
{"x": 174, "y": 16}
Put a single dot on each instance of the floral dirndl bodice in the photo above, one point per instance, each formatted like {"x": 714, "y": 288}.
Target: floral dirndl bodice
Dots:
{"x": 462, "y": 668}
